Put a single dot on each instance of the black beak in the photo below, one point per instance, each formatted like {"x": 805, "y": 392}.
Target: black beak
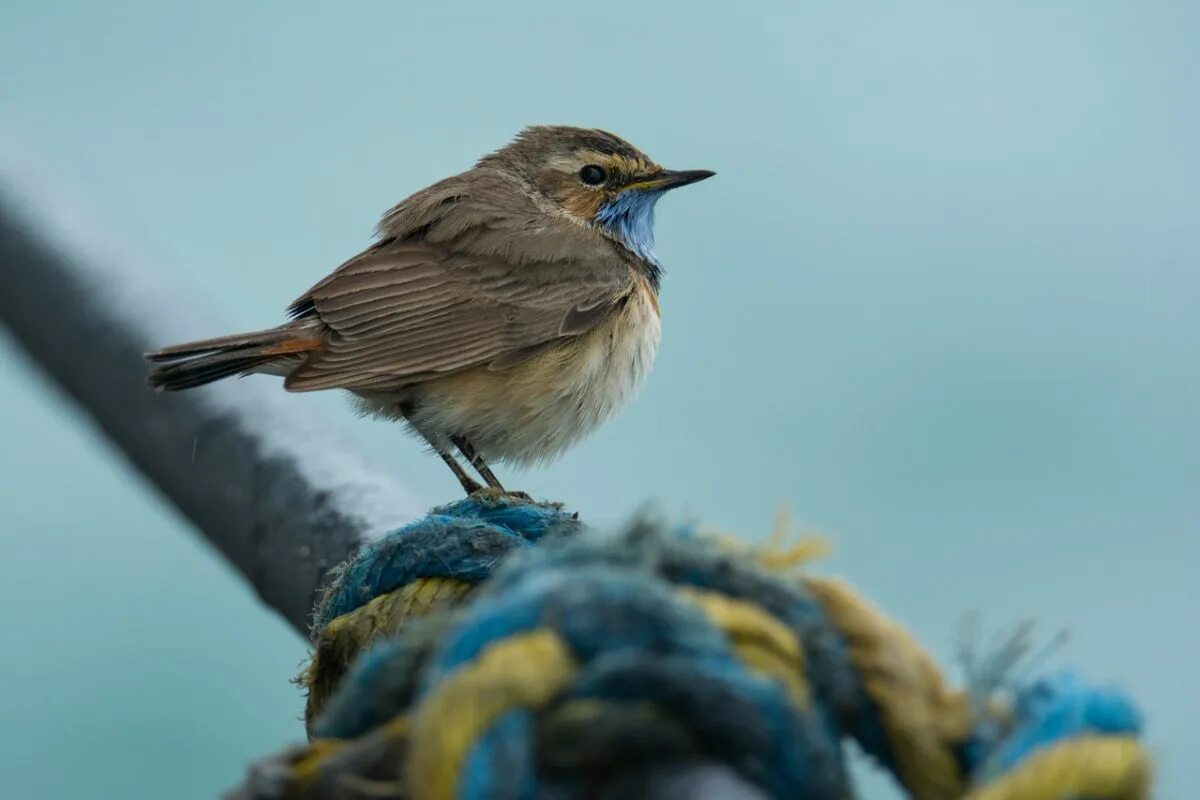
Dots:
{"x": 673, "y": 179}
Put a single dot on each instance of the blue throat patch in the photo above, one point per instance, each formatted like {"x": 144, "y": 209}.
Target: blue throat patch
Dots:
{"x": 630, "y": 217}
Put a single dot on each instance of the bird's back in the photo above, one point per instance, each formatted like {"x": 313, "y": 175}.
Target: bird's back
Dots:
{"x": 470, "y": 272}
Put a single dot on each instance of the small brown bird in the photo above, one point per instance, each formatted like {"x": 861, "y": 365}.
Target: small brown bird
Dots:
{"x": 506, "y": 311}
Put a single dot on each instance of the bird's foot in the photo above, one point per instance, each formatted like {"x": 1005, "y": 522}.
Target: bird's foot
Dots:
{"x": 471, "y": 486}
{"x": 499, "y": 493}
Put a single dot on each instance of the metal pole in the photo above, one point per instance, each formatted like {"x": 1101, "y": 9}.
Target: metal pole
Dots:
{"x": 259, "y": 481}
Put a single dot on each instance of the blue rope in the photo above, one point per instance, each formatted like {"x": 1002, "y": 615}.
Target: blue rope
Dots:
{"x": 583, "y": 657}
{"x": 464, "y": 540}
{"x": 1055, "y": 709}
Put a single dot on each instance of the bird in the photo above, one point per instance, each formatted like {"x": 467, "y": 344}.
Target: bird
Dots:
{"x": 504, "y": 312}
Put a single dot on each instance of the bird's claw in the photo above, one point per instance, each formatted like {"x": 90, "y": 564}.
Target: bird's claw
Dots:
{"x": 498, "y": 493}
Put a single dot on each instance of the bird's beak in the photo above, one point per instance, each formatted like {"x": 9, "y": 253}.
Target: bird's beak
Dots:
{"x": 671, "y": 179}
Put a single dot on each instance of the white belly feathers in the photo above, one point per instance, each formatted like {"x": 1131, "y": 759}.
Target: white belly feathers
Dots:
{"x": 534, "y": 410}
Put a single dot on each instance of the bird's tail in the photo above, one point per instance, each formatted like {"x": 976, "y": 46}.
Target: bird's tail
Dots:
{"x": 185, "y": 366}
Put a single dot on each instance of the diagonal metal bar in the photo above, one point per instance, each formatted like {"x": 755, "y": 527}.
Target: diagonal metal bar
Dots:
{"x": 240, "y": 465}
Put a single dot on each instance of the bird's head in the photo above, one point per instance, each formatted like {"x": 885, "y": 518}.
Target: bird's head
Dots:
{"x": 597, "y": 178}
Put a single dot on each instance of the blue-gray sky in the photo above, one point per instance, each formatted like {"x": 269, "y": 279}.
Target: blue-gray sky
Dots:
{"x": 940, "y": 302}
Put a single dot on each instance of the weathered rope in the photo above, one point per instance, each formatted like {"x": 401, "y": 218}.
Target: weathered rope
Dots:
{"x": 496, "y": 648}
{"x": 432, "y": 564}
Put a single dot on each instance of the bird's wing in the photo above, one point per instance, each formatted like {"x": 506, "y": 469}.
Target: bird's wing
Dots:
{"x": 474, "y": 284}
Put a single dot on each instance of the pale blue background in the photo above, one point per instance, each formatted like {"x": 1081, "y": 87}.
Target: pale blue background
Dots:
{"x": 941, "y": 301}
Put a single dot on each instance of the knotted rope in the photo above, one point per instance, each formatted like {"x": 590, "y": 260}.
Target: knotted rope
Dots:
{"x": 497, "y": 648}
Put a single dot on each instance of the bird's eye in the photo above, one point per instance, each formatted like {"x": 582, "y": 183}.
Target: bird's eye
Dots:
{"x": 593, "y": 175}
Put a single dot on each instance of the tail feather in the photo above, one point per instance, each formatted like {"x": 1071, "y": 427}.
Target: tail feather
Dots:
{"x": 238, "y": 341}
{"x": 192, "y": 364}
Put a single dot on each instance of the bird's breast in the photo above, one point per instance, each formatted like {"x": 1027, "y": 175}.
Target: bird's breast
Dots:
{"x": 614, "y": 359}
{"x": 531, "y": 412}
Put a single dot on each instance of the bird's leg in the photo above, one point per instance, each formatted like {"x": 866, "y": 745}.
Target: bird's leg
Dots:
{"x": 469, "y": 484}
{"x": 468, "y": 451}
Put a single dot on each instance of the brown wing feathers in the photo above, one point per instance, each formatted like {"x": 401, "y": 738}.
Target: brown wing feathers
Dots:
{"x": 454, "y": 282}
{"x": 449, "y": 289}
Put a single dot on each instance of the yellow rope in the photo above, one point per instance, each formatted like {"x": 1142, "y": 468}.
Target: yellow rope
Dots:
{"x": 309, "y": 764}
{"x": 387, "y": 615}
{"x": 524, "y": 670}
{"x": 763, "y": 643}
{"x": 1096, "y": 767}
{"x": 318, "y": 761}
{"x": 585, "y": 712}
{"x": 921, "y": 716}
{"x": 782, "y": 551}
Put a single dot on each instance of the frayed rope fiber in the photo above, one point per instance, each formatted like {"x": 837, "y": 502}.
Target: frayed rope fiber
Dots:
{"x": 428, "y": 565}
{"x": 497, "y": 648}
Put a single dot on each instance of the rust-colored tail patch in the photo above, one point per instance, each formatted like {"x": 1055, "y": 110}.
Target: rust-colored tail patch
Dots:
{"x": 197, "y": 363}
{"x": 292, "y": 346}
